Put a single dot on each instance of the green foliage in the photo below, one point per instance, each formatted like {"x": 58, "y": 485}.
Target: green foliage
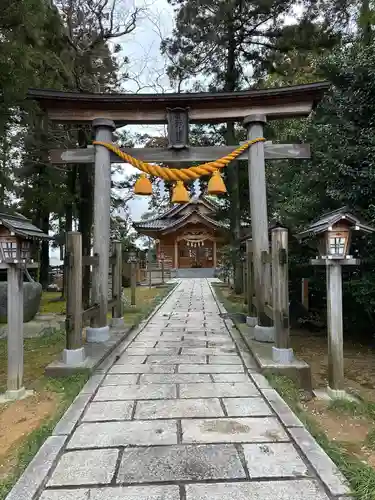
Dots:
{"x": 231, "y": 41}
{"x": 358, "y": 409}
{"x": 360, "y": 475}
{"x": 341, "y": 172}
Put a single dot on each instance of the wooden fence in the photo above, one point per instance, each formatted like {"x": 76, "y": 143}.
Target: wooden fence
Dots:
{"x": 276, "y": 306}
{"x": 76, "y": 317}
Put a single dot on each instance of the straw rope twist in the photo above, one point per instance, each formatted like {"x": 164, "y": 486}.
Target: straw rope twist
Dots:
{"x": 183, "y": 174}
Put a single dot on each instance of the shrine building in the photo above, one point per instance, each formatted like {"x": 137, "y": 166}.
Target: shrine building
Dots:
{"x": 187, "y": 236}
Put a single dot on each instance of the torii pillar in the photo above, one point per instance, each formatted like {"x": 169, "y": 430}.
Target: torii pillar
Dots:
{"x": 99, "y": 329}
{"x": 263, "y": 330}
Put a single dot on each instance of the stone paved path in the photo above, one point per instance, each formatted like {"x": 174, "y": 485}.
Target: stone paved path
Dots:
{"x": 182, "y": 415}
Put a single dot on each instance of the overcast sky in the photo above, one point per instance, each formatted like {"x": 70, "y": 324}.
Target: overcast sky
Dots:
{"x": 146, "y": 71}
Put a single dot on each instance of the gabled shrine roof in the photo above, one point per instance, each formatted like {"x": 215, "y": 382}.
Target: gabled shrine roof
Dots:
{"x": 173, "y": 217}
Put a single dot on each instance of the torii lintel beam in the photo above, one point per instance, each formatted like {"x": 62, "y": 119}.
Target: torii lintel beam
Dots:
{"x": 188, "y": 155}
{"x": 204, "y": 107}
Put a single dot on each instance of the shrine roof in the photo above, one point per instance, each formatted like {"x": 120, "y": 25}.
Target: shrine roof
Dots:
{"x": 171, "y": 218}
{"x": 21, "y": 226}
{"x": 204, "y": 107}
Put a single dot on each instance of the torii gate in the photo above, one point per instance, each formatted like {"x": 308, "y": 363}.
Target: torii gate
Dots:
{"x": 107, "y": 111}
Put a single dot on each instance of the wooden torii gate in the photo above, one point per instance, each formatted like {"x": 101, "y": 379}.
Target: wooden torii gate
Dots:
{"x": 106, "y": 112}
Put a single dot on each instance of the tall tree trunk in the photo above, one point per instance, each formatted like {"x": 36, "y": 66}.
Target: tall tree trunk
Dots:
{"x": 42, "y": 203}
{"x": 234, "y": 193}
{"x": 365, "y": 22}
{"x": 71, "y": 185}
{"x": 44, "y": 252}
{"x": 85, "y": 216}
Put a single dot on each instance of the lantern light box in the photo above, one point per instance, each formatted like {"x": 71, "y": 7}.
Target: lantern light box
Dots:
{"x": 332, "y": 233}
{"x": 16, "y": 233}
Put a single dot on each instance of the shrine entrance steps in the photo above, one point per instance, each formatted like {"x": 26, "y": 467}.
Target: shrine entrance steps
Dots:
{"x": 194, "y": 272}
{"x": 179, "y": 412}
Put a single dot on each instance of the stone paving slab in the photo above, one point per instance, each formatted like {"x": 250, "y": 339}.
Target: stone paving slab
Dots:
{"x": 144, "y": 343}
{"x": 182, "y": 408}
{"x": 124, "y": 392}
{"x": 221, "y": 343}
{"x": 274, "y": 490}
{"x": 142, "y": 369}
{"x": 247, "y": 407}
{"x": 207, "y": 338}
{"x": 211, "y": 369}
{"x": 170, "y": 337}
{"x": 84, "y": 468}
{"x": 274, "y": 460}
{"x": 230, "y": 377}
{"x": 122, "y": 379}
{"x": 209, "y": 351}
{"x": 109, "y": 410}
{"x": 137, "y": 433}
{"x": 173, "y": 378}
{"x": 176, "y": 463}
{"x": 117, "y": 493}
{"x": 126, "y": 359}
{"x": 139, "y": 351}
{"x": 224, "y": 360}
{"x": 174, "y": 360}
{"x": 183, "y": 343}
{"x": 233, "y": 430}
{"x": 218, "y": 390}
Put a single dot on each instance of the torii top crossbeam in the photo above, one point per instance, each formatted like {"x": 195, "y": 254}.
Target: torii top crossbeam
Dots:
{"x": 204, "y": 107}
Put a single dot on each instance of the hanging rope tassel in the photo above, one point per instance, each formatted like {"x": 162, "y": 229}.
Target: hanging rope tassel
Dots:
{"x": 216, "y": 184}
{"x": 143, "y": 186}
{"x": 180, "y": 194}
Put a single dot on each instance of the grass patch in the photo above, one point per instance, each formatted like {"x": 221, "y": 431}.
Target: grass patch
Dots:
{"x": 360, "y": 409}
{"x": 50, "y": 303}
{"x": 370, "y": 439}
{"x": 233, "y": 303}
{"x": 67, "y": 388}
{"x": 360, "y": 475}
{"x": 38, "y": 353}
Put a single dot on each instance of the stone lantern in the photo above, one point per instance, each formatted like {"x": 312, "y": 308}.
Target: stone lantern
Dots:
{"x": 331, "y": 234}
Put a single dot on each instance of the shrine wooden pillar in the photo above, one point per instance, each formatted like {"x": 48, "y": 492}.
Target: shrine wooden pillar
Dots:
{"x": 258, "y": 208}
{"x": 214, "y": 253}
{"x": 102, "y": 195}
